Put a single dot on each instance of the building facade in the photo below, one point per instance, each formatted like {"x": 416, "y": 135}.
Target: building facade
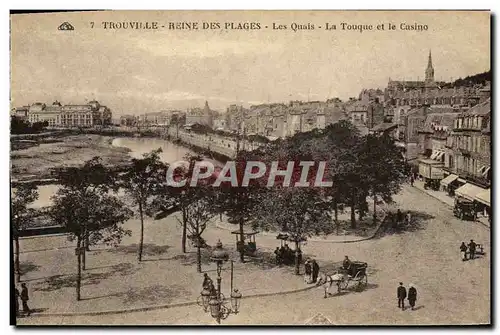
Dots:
{"x": 68, "y": 116}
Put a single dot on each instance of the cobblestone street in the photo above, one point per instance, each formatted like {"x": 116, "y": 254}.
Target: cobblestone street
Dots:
{"x": 426, "y": 254}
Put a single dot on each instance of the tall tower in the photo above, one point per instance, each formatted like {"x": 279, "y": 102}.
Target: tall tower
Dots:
{"x": 429, "y": 72}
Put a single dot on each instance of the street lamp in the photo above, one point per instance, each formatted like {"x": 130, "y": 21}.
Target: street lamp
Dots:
{"x": 216, "y": 303}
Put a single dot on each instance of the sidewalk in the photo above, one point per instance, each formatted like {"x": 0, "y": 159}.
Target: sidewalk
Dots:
{"x": 439, "y": 195}
{"x": 446, "y": 199}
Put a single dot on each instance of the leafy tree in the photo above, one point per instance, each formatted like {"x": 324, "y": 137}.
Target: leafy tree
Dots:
{"x": 300, "y": 212}
{"x": 143, "y": 182}
{"x": 198, "y": 210}
{"x": 21, "y": 215}
{"x": 93, "y": 176}
{"x": 384, "y": 168}
{"x": 98, "y": 214}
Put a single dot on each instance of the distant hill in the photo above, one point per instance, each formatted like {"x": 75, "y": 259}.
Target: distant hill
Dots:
{"x": 477, "y": 79}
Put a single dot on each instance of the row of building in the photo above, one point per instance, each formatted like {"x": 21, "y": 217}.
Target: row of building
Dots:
{"x": 66, "y": 116}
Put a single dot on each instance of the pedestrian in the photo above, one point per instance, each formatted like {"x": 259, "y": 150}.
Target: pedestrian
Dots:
{"x": 277, "y": 252}
{"x": 399, "y": 216}
{"x": 207, "y": 281}
{"x": 307, "y": 271}
{"x": 408, "y": 218}
{"x": 412, "y": 296}
{"x": 401, "y": 296}
{"x": 411, "y": 180}
{"x": 315, "y": 271}
{"x": 463, "y": 251}
{"x": 472, "y": 249}
{"x": 24, "y": 299}
{"x": 17, "y": 296}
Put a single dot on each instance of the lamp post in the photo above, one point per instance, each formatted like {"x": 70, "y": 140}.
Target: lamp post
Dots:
{"x": 215, "y": 302}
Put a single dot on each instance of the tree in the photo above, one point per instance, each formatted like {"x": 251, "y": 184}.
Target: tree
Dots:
{"x": 143, "y": 181}
{"x": 384, "y": 167}
{"x": 198, "y": 210}
{"x": 98, "y": 215}
{"x": 300, "y": 212}
{"x": 92, "y": 176}
{"x": 20, "y": 216}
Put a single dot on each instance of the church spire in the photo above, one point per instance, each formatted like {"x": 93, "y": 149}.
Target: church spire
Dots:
{"x": 429, "y": 72}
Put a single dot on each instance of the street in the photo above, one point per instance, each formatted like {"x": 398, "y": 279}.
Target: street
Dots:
{"x": 450, "y": 291}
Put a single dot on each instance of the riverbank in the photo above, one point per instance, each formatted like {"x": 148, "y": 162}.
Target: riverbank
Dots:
{"x": 36, "y": 162}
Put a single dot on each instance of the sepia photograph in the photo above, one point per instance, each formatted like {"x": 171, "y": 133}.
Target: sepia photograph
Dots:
{"x": 250, "y": 168}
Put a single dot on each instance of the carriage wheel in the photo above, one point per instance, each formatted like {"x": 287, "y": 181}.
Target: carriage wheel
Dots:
{"x": 344, "y": 284}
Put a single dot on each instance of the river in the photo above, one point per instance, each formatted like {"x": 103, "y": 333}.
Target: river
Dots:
{"x": 138, "y": 146}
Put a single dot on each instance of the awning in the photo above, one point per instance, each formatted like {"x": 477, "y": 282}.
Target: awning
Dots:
{"x": 439, "y": 155}
{"x": 486, "y": 171}
{"x": 469, "y": 191}
{"x": 484, "y": 197}
{"x": 448, "y": 180}
{"x": 434, "y": 155}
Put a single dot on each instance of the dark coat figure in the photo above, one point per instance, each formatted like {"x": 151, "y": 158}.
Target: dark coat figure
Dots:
{"x": 315, "y": 271}
{"x": 472, "y": 249}
{"x": 17, "y": 296}
{"x": 411, "y": 180}
{"x": 399, "y": 216}
{"x": 463, "y": 251}
{"x": 278, "y": 254}
{"x": 207, "y": 281}
{"x": 401, "y": 296}
{"x": 25, "y": 298}
{"x": 308, "y": 268}
{"x": 412, "y": 296}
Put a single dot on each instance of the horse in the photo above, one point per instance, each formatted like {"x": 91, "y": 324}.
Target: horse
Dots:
{"x": 328, "y": 280}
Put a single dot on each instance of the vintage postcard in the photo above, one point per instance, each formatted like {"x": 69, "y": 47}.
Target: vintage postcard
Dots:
{"x": 251, "y": 168}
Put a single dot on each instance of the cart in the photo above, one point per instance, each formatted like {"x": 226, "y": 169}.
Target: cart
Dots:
{"x": 464, "y": 209}
{"x": 250, "y": 247}
{"x": 356, "y": 273}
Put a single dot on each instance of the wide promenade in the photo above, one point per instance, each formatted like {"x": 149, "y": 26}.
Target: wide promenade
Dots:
{"x": 426, "y": 254}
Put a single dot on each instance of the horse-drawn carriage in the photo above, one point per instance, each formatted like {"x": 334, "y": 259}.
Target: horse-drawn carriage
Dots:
{"x": 355, "y": 273}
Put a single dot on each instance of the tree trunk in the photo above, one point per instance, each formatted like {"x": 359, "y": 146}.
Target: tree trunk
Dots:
{"x": 198, "y": 255}
{"x": 84, "y": 256}
{"x": 374, "y": 209}
{"x": 242, "y": 240}
{"x": 297, "y": 263}
{"x": 17, "y": 268}
{"x": 336, "y": 209}
{"x": 141, "y": 242}
{"x": 184, "y": 230}
{"x": 79, "y": 270}
{"x": 353, "y": 215}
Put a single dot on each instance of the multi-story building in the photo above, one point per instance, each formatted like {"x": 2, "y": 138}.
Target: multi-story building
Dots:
{"x": 58, "y": 115}
{"x": 203, "y": 116}
{"x": 470, "y": 147}
{"x": 20, "y": 112}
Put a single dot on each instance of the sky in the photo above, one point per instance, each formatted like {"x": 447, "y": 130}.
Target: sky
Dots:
{"x": 138, "y": 71}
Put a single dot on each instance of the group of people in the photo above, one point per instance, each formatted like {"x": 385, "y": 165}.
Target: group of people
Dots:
{"x": 469, "y": 249}
{"x": 412, "y": 296}
{"x": 286, "y": 255}
{"x": 24, "y": 296}
{"x": 399, "y": 218}
{"x": 311, "y": 271}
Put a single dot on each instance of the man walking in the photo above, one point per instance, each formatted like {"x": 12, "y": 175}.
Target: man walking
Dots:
{"x": 472, "y": 249}
{"x": 315, "y": 271}
{"x": 401, "y": 296}
{"x": 463, "y": 251}
{"x": 24, "y": 299}
{"x": 412, "y": 296}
